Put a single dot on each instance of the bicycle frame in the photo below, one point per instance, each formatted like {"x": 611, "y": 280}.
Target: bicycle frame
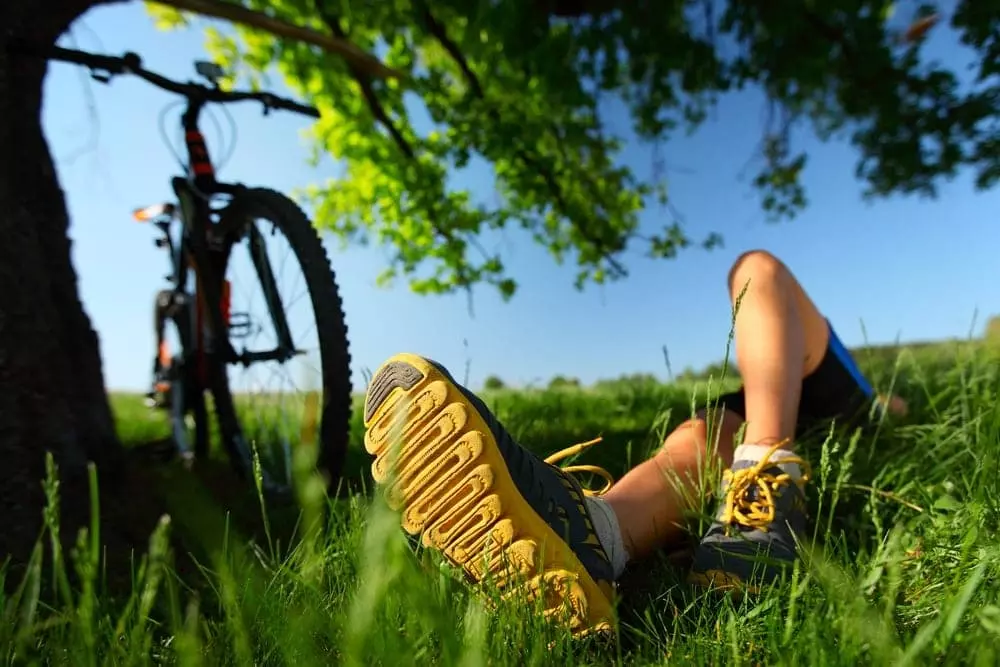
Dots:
{"x": 208, "y": 234}
{"x": 200, "y": 251}
{"x": 194, "y": 195}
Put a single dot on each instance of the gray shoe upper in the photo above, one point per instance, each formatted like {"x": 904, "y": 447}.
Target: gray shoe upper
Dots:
{"x": 754, "y": 545}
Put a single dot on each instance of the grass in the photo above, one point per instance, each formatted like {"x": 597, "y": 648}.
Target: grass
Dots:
{"x": 903, "y": 566}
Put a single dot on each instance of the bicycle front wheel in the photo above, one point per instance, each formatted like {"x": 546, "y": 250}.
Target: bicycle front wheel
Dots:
{"x": 285, "y": 320}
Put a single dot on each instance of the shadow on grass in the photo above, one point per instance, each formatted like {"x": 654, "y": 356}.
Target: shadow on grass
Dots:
{"x": 209, "y": 505}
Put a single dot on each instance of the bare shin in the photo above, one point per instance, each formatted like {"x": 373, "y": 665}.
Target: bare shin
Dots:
{"x": 780, "y": 338}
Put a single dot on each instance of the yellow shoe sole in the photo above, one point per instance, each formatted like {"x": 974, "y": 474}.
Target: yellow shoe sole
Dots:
{"x": 453, "y": 487}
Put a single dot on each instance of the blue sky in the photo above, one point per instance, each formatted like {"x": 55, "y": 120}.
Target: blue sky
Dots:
{"x": 904, "y": 268}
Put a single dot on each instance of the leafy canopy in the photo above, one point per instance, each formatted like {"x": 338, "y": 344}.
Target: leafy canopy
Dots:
{"x": 516, "y": 84}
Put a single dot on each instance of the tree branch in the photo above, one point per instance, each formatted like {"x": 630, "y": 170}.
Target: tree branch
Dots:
{"x": 863, "y": 74}
{"x": 440, "y": 33}
{"x": 355, "y": 57}
{"x": 375, "y": 106}
{"x": 364, "y": 81}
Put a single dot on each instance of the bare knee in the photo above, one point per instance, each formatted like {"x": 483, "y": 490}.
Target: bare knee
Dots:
{"x": 694, "y": 430}
{"x": 754, "y": 265}
{"x": 705, "y": 433}
{"x": 761, "y": 267}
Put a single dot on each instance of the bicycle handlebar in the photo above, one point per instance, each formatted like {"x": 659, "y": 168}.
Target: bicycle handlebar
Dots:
{"x": 131, "y": 63}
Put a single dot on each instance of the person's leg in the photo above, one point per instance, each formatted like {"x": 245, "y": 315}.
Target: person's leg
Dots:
{"x": 652, "y": 500}
{"x": 780, "y": 338}
{"x": 474, "y": 494}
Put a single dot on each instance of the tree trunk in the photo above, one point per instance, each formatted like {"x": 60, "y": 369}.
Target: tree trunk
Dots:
{"x": 52, "y": 395}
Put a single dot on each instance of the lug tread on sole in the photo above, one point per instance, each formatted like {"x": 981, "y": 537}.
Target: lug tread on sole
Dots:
{"x": 448, "y": 493}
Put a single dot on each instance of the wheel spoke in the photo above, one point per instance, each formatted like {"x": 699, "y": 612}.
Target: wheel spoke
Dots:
{"x": 267, "y": 398}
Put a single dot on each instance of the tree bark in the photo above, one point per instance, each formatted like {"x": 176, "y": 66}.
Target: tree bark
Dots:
{"x": 52, "y": 395}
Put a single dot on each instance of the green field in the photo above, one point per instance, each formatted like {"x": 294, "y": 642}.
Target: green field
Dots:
{"x": 903, "y": 567}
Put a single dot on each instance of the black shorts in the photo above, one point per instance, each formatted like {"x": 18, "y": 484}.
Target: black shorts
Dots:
{"x": 836, "y": 390}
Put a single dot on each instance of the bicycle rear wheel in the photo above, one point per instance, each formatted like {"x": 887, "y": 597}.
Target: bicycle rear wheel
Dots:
{"x": 183, "y": 397}
{"x": 271, "y": 420}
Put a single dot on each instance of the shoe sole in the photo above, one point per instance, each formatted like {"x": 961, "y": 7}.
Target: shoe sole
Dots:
{"x": 454, "y": 489}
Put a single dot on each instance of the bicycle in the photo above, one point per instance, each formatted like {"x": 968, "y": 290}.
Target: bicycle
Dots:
{"x": 214, "y": 218}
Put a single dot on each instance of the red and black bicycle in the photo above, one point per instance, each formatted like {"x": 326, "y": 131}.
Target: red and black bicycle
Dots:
{"x": 211, "y": 340}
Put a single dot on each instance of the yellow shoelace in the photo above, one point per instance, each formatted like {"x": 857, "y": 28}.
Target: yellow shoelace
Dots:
{"x": 743, "y": 509}
{"x": 555, "y": 458}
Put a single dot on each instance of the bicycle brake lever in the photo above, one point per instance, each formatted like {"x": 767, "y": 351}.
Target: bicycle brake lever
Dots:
{"x": 102, "y": 77}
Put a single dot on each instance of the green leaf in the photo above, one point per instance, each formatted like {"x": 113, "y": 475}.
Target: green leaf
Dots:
{"x": 500, "y": 88}
{"x": 167, "y": 18}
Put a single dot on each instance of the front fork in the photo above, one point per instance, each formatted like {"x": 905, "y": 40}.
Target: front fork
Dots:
{"x": 212, "y": 341}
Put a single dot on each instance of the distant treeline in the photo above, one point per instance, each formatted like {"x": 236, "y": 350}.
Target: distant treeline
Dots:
{"x": 868, "y": 356}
